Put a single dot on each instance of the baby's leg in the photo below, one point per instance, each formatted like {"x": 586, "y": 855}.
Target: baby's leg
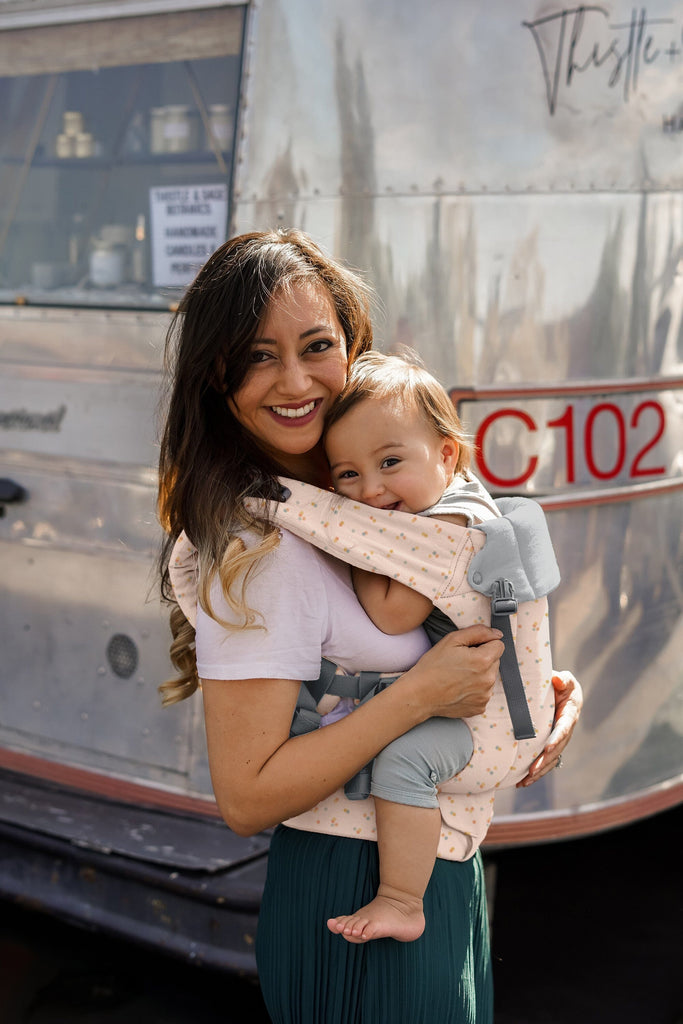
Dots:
{"x": 407, "y": 838}
{"x": 404, "y": 780}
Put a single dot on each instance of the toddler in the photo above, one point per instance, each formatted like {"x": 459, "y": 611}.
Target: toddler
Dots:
{"x": 394, "y": 441}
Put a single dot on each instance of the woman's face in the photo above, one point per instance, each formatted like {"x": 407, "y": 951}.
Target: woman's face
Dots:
{"x": 297, "y": 368}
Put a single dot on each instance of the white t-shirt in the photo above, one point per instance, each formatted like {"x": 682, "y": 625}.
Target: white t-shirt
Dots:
{"x": 306, "y": 601}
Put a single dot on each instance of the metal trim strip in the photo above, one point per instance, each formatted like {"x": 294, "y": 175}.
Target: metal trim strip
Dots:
{"x": 513, "y": 830}
{"x": 109, "y": 787}
{"x": 607, "y": 496}
{"x": 559, "y": 390}
{"x": 64, "y": 14}
{"x": 584, "y": 821}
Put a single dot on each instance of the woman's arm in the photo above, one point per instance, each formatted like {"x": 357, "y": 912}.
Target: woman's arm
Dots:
{"x": 568, "y": 704}
{"x": 261, "y": 776}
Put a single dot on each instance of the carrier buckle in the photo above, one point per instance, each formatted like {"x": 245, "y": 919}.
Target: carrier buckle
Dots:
{"x": 503, "y": 600}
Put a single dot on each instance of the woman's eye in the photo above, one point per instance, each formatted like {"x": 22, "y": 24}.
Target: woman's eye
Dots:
{"x": 390, "y": 461}
{"x": 259, "y": 356}
{"x": 321, "y": 345}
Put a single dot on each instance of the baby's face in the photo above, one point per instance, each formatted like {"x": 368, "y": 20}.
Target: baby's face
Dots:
{"x": 387, "y": 456}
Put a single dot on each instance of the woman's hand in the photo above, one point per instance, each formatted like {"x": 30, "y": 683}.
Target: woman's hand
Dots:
{"x": 455, "y": 678}
{"x": 568, "y": 704}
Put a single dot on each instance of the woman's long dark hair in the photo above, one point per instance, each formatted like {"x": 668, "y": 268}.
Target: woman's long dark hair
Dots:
{"x": 208, "y": 463}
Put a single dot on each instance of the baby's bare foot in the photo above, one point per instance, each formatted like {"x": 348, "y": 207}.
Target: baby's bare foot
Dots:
{"x": 391, "y": 915}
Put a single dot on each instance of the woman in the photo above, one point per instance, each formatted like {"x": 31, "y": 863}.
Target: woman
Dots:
{"x": 258, "y": 354}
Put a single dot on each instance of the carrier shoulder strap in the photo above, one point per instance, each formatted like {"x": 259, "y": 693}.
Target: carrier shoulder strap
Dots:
{"x": 503, "y": 605}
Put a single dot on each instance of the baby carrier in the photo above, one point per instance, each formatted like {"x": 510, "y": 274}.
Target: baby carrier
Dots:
{"x": 497, "y": 573}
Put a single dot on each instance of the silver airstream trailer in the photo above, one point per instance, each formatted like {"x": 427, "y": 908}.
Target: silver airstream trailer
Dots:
{"x": 510, "y": 178}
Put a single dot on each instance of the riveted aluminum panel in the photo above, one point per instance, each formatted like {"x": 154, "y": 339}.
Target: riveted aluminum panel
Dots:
{"x": 511, "y": 289}
{"x": 509, "y": 178}
{"x": 398, "y": 97}
{"x": 84, "y": 638}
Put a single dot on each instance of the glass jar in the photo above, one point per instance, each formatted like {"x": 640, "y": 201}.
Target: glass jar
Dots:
{"x": 157, "y": 120}
{"x": 65, "y": 146}
{"x": 221, "y": 127}
{"x": 84, "y": 144}
{"x": 72, "y": 121}
{"x": 180, "y": 129}
{"x": 107, "y": 264}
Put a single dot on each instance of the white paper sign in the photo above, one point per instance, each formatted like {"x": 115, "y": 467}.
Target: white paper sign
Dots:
{"x": 187, "y": 224}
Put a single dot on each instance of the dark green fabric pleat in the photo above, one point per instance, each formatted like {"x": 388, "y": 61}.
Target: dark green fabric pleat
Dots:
{"x": 310, "y": 976}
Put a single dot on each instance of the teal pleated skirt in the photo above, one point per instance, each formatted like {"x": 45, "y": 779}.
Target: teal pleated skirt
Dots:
{"x": 310, "y": 976}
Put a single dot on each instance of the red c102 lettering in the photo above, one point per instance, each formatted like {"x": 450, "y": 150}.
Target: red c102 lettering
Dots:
{"x": 601, "y": 412}
{"x": 500, "y": 481}
{"x": 635, "y": 465}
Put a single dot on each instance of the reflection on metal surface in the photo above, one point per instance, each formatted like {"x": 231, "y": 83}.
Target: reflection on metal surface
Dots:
{"x": 509, "y": 178}
{"x": 124, "y": 788}
{"x": 516, "y": 251}
{"x": 447, "y": 98}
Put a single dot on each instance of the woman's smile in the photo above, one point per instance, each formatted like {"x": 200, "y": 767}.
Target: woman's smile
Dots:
{"x": 295, "y": 412}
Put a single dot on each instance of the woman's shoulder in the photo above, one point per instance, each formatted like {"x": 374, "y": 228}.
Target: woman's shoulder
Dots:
{"x": 290, "y": 565}
{"x": 290, "y": 551}
{"x": 285, "y": 599}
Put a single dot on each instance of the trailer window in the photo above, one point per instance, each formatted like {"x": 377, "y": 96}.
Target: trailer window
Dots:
{"x": 116, "y": 151}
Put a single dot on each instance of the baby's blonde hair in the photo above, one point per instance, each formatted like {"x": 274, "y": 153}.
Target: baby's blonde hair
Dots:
{"x": 404, "y": 380}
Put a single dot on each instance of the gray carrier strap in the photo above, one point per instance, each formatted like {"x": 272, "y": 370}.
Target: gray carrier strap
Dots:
{"x": 517, "y": 563}
{"x": 360, "y": 687}
{"x": 503, "y": 604}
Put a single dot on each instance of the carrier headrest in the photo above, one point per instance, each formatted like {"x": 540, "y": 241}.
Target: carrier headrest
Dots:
{"x": 519, "y": 549}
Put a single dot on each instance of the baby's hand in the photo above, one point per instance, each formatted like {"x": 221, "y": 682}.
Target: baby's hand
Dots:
{"x": 327, "y": 703}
